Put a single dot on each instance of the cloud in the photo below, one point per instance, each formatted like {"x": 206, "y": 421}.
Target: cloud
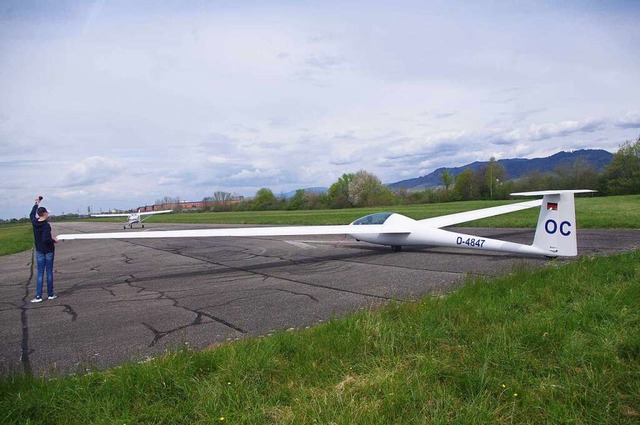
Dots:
{"x": 520, "y": 116}
{"x": 95, "y": 170}
{"x": 443, "y": 115}
{"x": 323, "y": 62}
{"x": 255, "y": 176}
{"x": 22, "y": 163}
{"x": 319, "y": 69}
{"x": 505, "y": 137}
{"x": 564, "y": 129}
{"x": 630, "y": 120}
{"x": 438, "y": 143}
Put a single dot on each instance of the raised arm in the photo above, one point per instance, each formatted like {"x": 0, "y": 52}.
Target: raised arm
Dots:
{"x": 33, "y": 215}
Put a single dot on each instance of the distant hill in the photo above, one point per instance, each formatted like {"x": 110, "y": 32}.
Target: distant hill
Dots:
{"x": 515, "y": 168}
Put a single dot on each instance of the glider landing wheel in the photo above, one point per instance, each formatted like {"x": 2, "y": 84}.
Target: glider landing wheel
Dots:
{"x": 124, "y": 227}
{"x": 143, "y": 226}
{"x": 396, "y": 248}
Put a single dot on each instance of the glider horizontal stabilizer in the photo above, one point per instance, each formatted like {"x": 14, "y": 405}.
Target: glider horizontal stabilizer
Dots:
{"x": 463, "y": 217}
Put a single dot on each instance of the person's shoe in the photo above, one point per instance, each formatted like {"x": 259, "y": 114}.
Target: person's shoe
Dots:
{"x": 37, "y": 300}
{"x": 53, "y": 297}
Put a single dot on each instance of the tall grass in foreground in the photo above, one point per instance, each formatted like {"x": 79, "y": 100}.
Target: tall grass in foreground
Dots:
{"x": 557, "y": 345}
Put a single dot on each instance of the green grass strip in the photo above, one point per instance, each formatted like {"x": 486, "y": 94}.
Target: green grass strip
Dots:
{"x": 621, "y": 212}
{"x": 557, "y": 345}
{"x": 15, "y": 238}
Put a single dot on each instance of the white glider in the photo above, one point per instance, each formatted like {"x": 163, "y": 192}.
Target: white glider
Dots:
{"x": 555, "y": 234}
{"x": 133, "y": 218}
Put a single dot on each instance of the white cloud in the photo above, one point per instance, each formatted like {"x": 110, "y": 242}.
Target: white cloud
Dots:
{"x": 630, "y": 120}
{"x": 264, "y": 177}
{"x": 504, "y": 137}
{"x": 93, "y": 171}
{"x": 563, "y": 129}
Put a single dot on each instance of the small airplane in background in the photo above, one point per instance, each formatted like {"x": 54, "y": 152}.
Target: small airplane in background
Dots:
{"x": 133, "y": 218}
{"x": 555, "y": 234}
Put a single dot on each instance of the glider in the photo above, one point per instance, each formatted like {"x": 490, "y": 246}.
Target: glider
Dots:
{"x": 555, "y": 234}
{"x": 133, "y": 218}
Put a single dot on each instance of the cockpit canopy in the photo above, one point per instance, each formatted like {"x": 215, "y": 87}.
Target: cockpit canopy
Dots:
{"x": 377, "y": 218}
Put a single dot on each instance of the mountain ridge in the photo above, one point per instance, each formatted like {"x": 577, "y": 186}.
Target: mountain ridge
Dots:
{"x": 515, "y": 167}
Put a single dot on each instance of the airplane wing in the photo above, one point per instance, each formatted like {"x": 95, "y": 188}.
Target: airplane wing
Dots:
{"x": 463, "y": 217}
{"x": 110, "y": 215}
{"x": 154, "y": 212}
{"x": 247, "y": 232}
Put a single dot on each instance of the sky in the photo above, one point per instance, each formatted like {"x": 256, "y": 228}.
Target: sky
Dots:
{"x": 115, "y": 104}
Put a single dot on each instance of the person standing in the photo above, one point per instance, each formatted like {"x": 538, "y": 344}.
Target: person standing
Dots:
{"x": 45, "y": 249}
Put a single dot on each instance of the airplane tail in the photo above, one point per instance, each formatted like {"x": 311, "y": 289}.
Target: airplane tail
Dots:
{"x": 556, "y": 229}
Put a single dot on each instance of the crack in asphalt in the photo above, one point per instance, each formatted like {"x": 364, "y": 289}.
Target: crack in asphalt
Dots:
{"x": 10, "y": 303}
{"x": 24, "y": 318}
{"x": 127, "y": 259}
{"x": 130, "y": 283}
{"x": 157, "y": 335}
{"x": 295, "y": 293}
{"x": 70, "y": 311}
{"x": 104, "y": 288}
{"x": 197, "y": 321}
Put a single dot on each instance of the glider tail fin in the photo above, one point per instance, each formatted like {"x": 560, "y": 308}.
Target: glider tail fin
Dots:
{"x": 556, "y": 229}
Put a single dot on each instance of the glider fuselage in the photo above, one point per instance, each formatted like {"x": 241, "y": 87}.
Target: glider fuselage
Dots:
{"x": 419, "y": 234}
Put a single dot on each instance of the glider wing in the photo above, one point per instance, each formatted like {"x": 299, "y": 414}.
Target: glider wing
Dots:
{"x": 246, "y": 232}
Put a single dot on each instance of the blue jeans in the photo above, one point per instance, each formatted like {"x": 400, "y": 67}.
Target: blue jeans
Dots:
{"x": 44, "y": 261}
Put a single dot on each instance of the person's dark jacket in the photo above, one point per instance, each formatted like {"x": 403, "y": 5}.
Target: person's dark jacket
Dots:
{"x": 41, "y": 233}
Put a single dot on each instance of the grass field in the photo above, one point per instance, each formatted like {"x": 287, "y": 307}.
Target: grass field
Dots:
{"x": 592, "y": 212}
{"x": 15, "y": 238}
{"x": 557, "y": 345}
